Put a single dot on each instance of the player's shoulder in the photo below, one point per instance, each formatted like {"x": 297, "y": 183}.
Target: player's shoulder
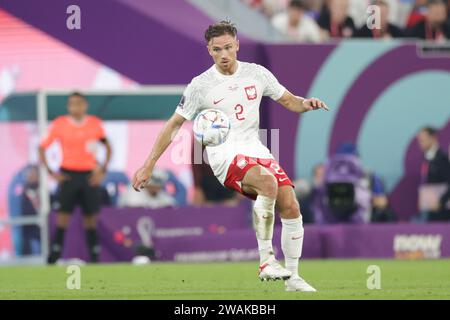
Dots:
{"x": 202, "y": 79}
{"x": 94, "y": 120}
{"x": 255, "y": 69}
{"x": 251, "y": 66}
{"x": 60, "y": 120}
{"x": 197, "y": 80}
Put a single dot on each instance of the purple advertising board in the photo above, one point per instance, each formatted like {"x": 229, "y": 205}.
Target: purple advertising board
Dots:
{"x": 225, "y": 234}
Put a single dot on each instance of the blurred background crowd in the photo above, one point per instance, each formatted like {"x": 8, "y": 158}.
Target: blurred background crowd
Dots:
{"x": 321, "y": 20}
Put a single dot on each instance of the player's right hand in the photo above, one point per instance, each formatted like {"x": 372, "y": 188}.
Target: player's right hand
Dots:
{"x": 140, "y": 178}
{"x": 60, "y": 177}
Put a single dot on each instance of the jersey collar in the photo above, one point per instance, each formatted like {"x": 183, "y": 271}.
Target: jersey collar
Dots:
{"x": 76, "y": 123}
{"x": 224, "y": 76}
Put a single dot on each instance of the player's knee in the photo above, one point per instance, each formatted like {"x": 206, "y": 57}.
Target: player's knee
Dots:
{"x": 269, "y": 186}
{"x": 62, "y": 220}
{"x": 89, "y": 222}
{"x": 291, "y": 210}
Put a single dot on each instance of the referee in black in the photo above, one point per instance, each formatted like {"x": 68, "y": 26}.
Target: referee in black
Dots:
{"x": 80, "y": 175}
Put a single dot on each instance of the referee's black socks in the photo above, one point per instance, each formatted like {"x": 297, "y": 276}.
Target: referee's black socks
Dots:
{"x": 92, "y": 242}
{"x": 57, "y": 245}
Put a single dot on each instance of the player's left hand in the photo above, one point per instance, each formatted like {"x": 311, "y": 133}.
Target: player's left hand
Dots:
{"x": 96, "y": 177}
{"x": 314, "y": 104}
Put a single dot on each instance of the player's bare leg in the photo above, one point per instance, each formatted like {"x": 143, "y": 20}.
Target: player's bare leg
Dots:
{"x": 291, "y": 237}
{"x": 261, "y": 182}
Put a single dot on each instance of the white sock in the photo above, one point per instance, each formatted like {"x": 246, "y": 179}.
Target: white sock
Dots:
{"x": 292, "y": 242}
{"x": 265, "y": 250}
{"x": 263, "y": 220}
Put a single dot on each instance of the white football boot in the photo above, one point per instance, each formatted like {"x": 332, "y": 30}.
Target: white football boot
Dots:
{"x": 271, "y": 269}
{"x": 296, "y": 283}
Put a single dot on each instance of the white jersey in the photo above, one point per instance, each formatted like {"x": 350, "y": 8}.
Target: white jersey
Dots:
{"x": 238, "y": 96}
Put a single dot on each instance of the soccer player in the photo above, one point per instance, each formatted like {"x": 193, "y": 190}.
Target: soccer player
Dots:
{"x": 80, "y": 175}
{"x": 243, "y": 163}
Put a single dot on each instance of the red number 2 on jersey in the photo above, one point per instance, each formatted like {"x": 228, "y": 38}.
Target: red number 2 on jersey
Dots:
{"x": 239, "y": 113}
{"x": 277, "y": 169}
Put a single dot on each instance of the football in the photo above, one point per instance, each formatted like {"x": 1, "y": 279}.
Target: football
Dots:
{"x": 211, "y": 127}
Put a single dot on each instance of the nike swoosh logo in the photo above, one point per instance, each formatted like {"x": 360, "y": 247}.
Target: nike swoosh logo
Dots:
{"x": 281, "y": 180}
{"x": 216, "y": 102}
{"x": 266, "y": 217}
{"x": 296, "y": 238}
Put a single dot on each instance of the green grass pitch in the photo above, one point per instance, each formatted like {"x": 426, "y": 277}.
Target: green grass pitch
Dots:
{"x": 334, "y": 279}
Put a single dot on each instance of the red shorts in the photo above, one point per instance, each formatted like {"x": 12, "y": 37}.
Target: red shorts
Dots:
{"x": 241, "y": 164}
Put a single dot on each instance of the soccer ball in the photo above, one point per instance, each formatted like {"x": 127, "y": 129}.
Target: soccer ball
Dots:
{"x": 211, "y": 127}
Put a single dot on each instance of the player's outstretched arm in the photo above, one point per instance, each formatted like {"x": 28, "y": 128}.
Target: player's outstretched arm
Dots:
{"x": 163, "y": 140}
{"x": 299, "y": 104}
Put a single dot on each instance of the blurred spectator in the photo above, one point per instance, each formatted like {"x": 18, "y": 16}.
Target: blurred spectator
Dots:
{"x": 296, "y": 24}
{"x": 345, "y": 194}
{"x": 303, "y": 193}
{"x": 113, "y": 184}
{"x": 435, "y": 25}
{"x": 152, "y": 196}
{"x": 207, "y": 189}
{"x": 314, "y": 7}
{"x": 399, "y": 10}
{"x": 417, "y": 13}
{"x": 435, "y": 178}
{"x": 176, "y": 189}
{"x": 255, "y": 4}
{"x": 381, "y": 211}
{"x": 272, "y": 7}
{"x": 267, "y": 7}
{"x": 30, "y": 207}
{"x": 318, "y": 175}
{"x": 306, "y": 192}
{"x": 334, "y": 20}
{"x": 387, "y": 30}
{"x": 357, "y": 10}
{"x": 343, "y": 191}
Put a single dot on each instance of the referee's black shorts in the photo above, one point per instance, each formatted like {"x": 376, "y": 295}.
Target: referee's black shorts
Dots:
{"x": 77, "y": 190}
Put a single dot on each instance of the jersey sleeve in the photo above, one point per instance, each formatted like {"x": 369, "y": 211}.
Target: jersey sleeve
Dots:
{"x": 190, "y": 102}
{"x": 51, "y": 135}
{"x": 272, "y": 88}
